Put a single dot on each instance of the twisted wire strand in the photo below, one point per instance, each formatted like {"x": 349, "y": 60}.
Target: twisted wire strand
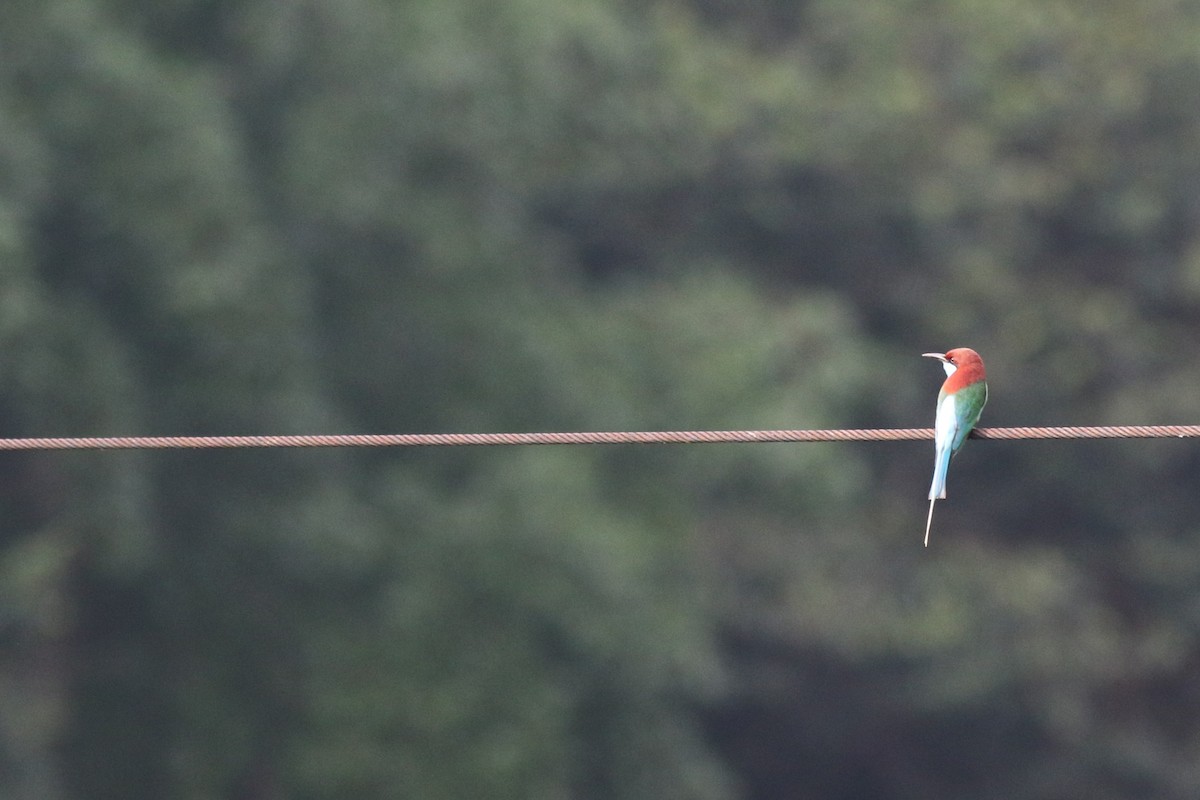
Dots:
{"x": 593, "y": 437}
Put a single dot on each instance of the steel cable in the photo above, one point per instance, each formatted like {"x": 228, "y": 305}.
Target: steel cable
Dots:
{"x": 579, "y": 438}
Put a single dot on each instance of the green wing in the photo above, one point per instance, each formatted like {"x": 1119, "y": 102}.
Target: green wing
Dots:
{"x": 969, "y": 403}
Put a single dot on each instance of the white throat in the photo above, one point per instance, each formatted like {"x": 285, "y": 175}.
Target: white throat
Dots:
{"x": 950, "y": 368}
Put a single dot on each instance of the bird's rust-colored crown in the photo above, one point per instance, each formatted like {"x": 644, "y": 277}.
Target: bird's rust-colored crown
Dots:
{"x": 969, "y": 368}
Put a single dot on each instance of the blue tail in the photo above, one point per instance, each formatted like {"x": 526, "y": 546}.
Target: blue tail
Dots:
{"x": 937, "y": 489}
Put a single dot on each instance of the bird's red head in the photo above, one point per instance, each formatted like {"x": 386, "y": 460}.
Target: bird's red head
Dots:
{"x": 968, "y": 367}
{"x": 966, "y": 358}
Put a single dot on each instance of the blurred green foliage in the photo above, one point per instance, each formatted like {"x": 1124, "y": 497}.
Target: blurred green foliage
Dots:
{"x": 240, "y": 216}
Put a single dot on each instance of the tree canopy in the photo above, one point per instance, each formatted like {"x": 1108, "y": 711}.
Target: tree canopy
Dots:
{"x": 241, "y": 216}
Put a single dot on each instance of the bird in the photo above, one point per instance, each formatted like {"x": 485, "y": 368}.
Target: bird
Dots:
{"x": 959, "y": 404}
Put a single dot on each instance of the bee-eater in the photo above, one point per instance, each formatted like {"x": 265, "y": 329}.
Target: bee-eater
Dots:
{"x": 959, "y": 405}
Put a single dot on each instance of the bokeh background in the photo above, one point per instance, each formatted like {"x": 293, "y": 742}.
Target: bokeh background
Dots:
{"x": 331, "y": 216}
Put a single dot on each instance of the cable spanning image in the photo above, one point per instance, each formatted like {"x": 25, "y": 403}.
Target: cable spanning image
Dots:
{"x": 586, "y": 437}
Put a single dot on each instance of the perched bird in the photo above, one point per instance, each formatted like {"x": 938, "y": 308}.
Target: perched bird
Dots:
{"x": 959, "y": 405}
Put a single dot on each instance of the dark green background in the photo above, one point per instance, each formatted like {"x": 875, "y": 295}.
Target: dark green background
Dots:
{"x": 303, "y": 216}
